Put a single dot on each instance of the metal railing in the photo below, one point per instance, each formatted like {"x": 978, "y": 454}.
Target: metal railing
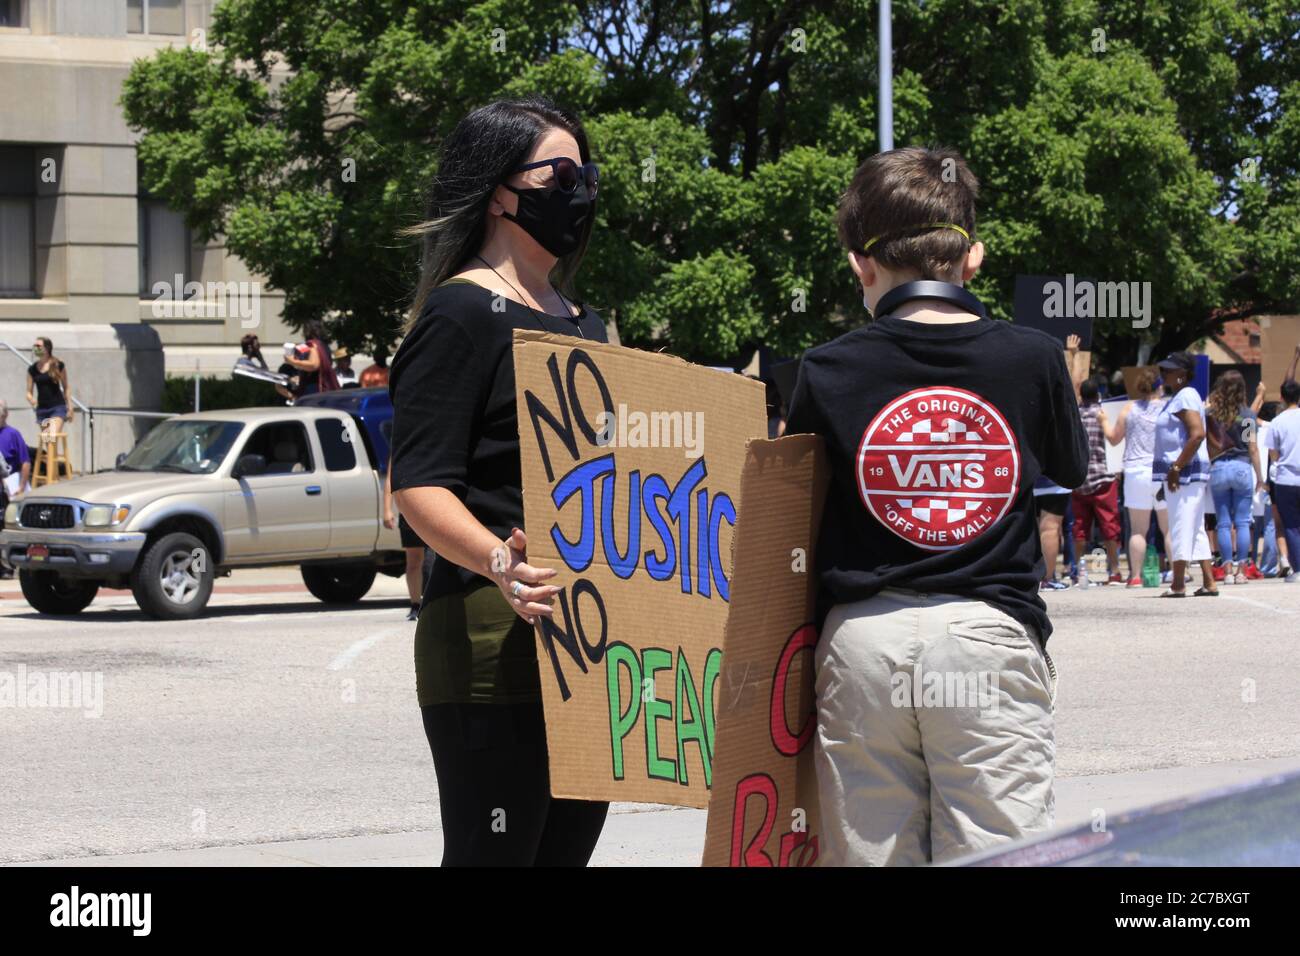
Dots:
{"x": 124, "y": 412}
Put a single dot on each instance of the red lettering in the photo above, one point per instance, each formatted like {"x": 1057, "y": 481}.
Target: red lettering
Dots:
{"x": 753, "y": 854}
{"x": 786, "y": 741}
{"x": 805, "y": 844}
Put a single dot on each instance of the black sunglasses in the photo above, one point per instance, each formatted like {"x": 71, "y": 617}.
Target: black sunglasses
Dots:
{"x": 568, "y": 174}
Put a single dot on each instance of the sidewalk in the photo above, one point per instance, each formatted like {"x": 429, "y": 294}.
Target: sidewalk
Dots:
{"x": 674, "y": 836}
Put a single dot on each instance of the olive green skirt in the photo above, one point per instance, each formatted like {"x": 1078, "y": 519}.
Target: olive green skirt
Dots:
{"x": 474, "y": 649}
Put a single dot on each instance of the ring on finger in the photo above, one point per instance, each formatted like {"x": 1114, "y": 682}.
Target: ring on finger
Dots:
{"x": 516, "y": 588}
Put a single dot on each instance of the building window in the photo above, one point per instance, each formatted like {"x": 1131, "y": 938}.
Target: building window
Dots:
{"x": 164, "y": 249}
{"x": 155, "y": 16}
{"x": 11, "y": 13}
{"x": 17, "y": 221}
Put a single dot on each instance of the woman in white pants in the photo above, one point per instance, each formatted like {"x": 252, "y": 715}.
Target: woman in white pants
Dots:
{"x": 1181, "y": 462}
{"x": 1136, "y": 427}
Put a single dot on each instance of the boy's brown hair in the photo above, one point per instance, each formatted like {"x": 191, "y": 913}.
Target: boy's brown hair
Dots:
{"x": 897, "y": 197}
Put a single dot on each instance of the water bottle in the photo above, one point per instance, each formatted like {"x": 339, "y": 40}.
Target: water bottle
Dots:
{"x": 1151, "y": 568}
{"x": 1083, "y": 573}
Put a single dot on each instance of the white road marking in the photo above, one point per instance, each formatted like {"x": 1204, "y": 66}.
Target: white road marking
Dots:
{"x": 357, "y": 648}
{"x": 1260, "y": 604}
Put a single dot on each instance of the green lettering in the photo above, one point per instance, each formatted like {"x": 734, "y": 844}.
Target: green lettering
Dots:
{"x": 694, "y": 728}
{"x": 653, "y": 660}
{"x": 712, "y": 671}
{"x": 621, "y": 722}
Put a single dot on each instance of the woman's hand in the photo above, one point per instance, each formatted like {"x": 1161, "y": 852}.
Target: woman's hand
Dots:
{"x": 389, "y": 520}
{"x": 1174, "y": 474}
{"x": 1072, "y": 343}
{"x": 522, "y": 584}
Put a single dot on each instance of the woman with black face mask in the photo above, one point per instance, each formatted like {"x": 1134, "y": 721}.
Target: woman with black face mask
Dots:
{"x": 511, "y": 213}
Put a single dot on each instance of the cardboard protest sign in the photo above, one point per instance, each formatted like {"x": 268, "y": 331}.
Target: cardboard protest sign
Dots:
{"x": 763, "y": 810}
{"x": 1278, "y": 337}
{"x": 631, "y": 478}
{"x": 1113, "y": 408}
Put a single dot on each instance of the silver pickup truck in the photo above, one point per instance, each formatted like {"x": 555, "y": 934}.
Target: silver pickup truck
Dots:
{"x": 204, "y": 493}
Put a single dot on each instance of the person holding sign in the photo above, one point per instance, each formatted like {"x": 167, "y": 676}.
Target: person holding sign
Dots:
{"x": 510, "y": 217}
{"x": 937, "y": 422}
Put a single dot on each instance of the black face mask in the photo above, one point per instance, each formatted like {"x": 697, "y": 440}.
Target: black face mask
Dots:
{"x": 552, "y": 217}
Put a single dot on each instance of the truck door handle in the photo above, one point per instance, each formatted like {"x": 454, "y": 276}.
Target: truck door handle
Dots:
{"x": 313, "y": 489}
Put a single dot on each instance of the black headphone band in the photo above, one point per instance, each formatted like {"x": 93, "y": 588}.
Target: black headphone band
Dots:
{"x": 929, "y": 289}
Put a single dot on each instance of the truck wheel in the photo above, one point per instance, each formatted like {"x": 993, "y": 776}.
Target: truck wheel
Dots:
{"x": 339, "y": 584}
{"x": 49, "y": 593}
{"x": 173, "y": 578}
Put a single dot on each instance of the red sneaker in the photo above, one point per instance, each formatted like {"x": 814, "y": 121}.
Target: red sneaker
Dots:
{"x": 1135, "y": 582}
{"x": 1220, "y": 572}
{"x": 1253, "y": 573}
{"x": 1115, "y": 578}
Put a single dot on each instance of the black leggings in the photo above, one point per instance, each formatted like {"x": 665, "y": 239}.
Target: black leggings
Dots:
{"x": 494, "y": 789}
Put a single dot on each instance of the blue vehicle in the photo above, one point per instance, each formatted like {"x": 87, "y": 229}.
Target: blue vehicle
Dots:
{"x": 372, "y": 410}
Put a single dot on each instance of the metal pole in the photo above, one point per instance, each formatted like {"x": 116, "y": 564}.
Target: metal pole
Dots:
{"x": 886, "y": 110}
{"x": 196, "y": 385}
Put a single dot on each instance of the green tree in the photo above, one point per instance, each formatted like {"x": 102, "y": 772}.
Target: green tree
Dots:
{"x": 1121, "y": 139}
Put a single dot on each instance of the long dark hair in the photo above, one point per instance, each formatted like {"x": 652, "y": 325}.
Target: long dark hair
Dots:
{"x": 481, "y": 153}
{"x": 1227, "y": 397}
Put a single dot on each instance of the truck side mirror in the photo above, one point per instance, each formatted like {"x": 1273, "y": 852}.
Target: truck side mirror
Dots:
{"x": 249, "y": 465}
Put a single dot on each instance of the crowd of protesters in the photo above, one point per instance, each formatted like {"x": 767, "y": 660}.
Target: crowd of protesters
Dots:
{"x": 1210, "y": 482}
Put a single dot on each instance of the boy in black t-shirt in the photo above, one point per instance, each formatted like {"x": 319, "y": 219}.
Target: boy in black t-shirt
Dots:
{"x": 934, "y": 689}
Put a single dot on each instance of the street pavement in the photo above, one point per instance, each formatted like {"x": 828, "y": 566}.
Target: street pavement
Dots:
{"x": 275, "y": 732}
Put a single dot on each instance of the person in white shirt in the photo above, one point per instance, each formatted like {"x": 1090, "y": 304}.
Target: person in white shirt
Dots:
{"x": 343, "y": 368}
{"x": 1283, "y": 447}
{"x": 1182, "y": 464}
{"x": 1136, "y": 427}
{"x": 1266, "y": 532}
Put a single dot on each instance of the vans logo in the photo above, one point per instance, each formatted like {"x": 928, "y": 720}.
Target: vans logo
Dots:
{"x": 938, "y": 467}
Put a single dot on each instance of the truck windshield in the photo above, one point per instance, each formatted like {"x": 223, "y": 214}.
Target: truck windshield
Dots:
{"x": 195, "y": 447}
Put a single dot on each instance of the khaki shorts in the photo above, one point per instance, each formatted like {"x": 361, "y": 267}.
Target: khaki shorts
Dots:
{"x": 934, "y": 730}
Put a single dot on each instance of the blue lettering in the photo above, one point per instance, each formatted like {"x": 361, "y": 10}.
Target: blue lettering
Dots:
{"x": 578, "y": 554}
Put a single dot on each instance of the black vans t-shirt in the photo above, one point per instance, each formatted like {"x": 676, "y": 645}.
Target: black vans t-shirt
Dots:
{"x": 934, "y": 436}
{"x": 452, "y": 384}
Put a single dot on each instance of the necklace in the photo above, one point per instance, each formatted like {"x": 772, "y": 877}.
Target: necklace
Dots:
{"x": 524, "y": 301}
